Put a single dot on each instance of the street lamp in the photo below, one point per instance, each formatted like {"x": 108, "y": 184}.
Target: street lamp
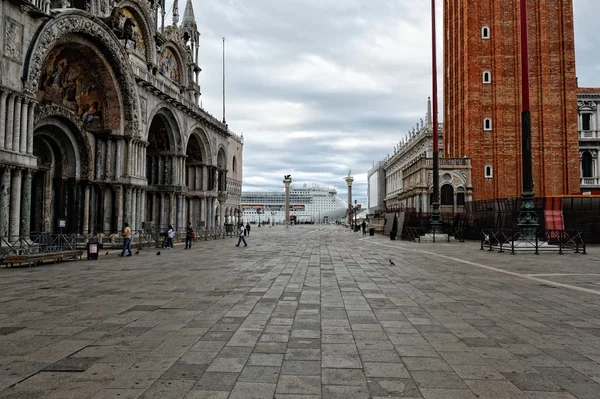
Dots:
{"x": 355, "y": 212}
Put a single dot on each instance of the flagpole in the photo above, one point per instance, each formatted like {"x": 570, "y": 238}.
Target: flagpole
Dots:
{"x": 435, "y": 212}
{"x": 224, "y": 121}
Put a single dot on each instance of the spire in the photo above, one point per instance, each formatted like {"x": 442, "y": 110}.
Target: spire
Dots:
{"x": 429, "y": 122}
{"x": 175, "y": 12}
{"x": 189, "y": 21}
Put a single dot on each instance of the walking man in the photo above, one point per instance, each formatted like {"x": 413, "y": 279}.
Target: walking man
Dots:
{"x": 188, "y": 236}
{"x": 364, "y": 227}
{"x": 241, "y": 233}
{"x": 126, "y": 234}
{"x": 170, "y": 235}
{"x": 248, "y": 228}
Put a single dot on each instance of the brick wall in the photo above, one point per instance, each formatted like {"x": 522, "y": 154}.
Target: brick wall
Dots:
{"x": 467, "y": 100}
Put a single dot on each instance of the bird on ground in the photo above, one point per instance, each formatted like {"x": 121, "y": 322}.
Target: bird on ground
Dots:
{"x": 158, "y": 253}
{"x": 106, "y": 253}
{"x": 137, "y": 252}
{"x": 392, "y": 263}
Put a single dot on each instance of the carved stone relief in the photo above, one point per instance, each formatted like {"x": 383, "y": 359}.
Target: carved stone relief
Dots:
{"x": 13, "y": 39}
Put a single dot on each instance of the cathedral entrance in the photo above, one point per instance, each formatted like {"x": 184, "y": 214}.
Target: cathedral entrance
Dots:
{"x": 56, "y": 196}
{"x": 163, "y": 172}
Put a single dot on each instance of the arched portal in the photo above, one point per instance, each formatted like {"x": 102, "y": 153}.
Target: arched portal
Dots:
{"x": 164, "y": 172}
{"x": 56, "y": 189}
{"x": 197, "y": 178}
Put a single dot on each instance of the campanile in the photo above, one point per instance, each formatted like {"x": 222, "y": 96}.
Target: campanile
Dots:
{"x": 482, "y": 94}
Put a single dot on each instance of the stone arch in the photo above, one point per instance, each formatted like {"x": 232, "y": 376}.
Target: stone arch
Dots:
{"x": 143, "y": 18}
{"x": 203, "y": 144}
{"x": 221, "y": 158}
{"x": 72, "y": 130}
{"x": 75, "y": 23}
{"x": 170, "y": 122}
{"x": 78, "y": 78}
{"x": 164, "y": 149}
{"x": 62, "y": 153}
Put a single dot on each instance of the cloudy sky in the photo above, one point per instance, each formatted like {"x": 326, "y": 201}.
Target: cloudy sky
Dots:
{"x": 318, "y": 87}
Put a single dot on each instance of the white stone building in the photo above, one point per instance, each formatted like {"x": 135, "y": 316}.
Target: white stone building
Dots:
{"x": 100, "y": 123}
{"x": 588, "y": 100}
{"x": 409, "y": 173}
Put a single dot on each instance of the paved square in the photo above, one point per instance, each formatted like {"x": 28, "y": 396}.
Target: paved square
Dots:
{"x": 304, "y": 311}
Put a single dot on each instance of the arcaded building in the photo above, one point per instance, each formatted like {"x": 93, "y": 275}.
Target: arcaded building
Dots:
{"x": 100, "y": 123}
{"x": 482, "y": 95}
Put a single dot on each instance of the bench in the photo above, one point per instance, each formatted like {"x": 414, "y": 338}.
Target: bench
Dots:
{"x": 35, "y": 259}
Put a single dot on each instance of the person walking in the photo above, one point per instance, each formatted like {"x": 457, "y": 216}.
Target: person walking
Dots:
{"x": 189, "y": 234}
{"x": 247, "y": 229}
{"x": 241, "y": 234}
{"x": 170, "y": 235}
{"x": 364, "y": 227}
{"x": 126, "y": 234}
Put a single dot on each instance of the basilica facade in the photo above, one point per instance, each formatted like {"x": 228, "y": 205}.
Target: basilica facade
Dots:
{"x": 100, "y": 123}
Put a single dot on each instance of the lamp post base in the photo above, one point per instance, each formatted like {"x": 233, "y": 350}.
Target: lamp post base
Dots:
{"x": 528, "y": 219}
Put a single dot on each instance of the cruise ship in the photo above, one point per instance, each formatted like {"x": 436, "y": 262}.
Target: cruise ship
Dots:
{"x": 308, "y": 204}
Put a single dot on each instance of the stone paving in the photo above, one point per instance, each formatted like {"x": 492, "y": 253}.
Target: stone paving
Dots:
{"x": 304, "y": 312}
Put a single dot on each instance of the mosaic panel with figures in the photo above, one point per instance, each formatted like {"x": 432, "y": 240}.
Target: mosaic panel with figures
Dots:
{"x": 169, "y": 66}
{"x": 66, "y": 80}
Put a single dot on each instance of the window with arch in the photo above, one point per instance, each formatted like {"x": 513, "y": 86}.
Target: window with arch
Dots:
{"x": 586, "y": 164}
{"x": 447, "y": 195}
{"x": 586, "y": 121}
{"x": 234, "y": 165}
{"x": 488, "y": 171}
{"x": 485, "y": 32}
{"x": 487, "y": 124}
{"x": 487, "y": 77}
{"x": 460, "y": 199}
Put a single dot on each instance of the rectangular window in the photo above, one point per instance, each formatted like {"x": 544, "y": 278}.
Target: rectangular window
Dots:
{"x": 586, "y": 121}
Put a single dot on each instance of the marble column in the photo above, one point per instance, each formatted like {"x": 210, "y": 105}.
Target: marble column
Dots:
{"x": 349, "y": 179}
{"x": 160, "y": 171}
{"x": 26, "y": 203}
{"x": 118, "y": 164}
{"x": 5, "y": 201}
{"x": 10, "y": 117}
{"x": 154, "y": 209}
{"x": 17, "y": 125}
{"x": 127, "y": 205}
{"x": 198, "y": 178}
{"x": 15, "y": 203}
{"x": 3, "y": 97}
{"x": 152, "y": 176}
{"x": 30, "y": 117}
{"x": 162, "y": 218}
{"x": 108, "y": 160}
{"x": 24, "y": 125}
{"x": 133, "y": 222}
{"x": 172, "y": 209}
{"x": 202, "y": 210}
{"x": 86, "y": 209}
{"x": 205, "y": 177}
{"x": 98, "y": 159}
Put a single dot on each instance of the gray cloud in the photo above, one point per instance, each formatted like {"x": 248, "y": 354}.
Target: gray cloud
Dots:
{"x": 318, "y": 87}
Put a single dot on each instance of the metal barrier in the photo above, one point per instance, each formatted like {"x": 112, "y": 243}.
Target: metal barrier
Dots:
{"x": 559, "y": 241}
{"x": 36, "y": 244}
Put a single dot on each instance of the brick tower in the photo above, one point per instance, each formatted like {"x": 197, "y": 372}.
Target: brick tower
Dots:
{"x": 482, "y": 94}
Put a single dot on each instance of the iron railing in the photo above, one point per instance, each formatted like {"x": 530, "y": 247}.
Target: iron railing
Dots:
{"x": 35, "y": 244}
